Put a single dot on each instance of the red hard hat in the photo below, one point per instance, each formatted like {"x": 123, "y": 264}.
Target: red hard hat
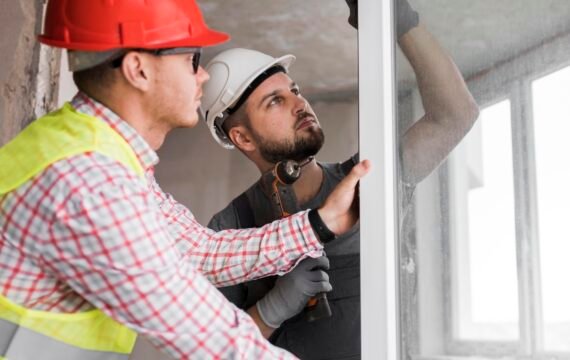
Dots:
{"x": 98, "y": 25}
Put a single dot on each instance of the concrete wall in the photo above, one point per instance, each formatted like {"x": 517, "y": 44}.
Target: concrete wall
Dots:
{"x": 29, "y": 73}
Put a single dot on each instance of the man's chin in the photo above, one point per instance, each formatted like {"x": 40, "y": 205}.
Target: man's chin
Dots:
{"x": 310, "y": 129}
{"x": 189, "y": 122}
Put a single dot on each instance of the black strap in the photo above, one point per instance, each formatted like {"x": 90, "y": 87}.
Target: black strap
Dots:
{"x": 349, "y": 164}
{"x": 244, "y": 211}
{"x": 321, "y": 229}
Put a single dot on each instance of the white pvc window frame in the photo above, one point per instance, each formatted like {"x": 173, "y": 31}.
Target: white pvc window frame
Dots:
{"x": 377, "y": 142}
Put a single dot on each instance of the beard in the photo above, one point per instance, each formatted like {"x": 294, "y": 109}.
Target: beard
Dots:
{"x": 300, "y": 149}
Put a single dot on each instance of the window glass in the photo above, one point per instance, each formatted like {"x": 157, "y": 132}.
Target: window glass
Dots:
{"x": 483, "y": 242}
{"x": 486, "y": 285}
{"x": 551, "y": 129}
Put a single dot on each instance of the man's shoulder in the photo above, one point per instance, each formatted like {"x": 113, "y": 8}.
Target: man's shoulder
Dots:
{"x": 92, "y": 173}
{"x": 224, "y": 219}
{"x": 234, "y": 214}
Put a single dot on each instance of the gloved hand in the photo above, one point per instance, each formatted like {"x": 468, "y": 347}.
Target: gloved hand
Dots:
{"x": 353, "y": 17}
{"x": 292, "y": 291}
{"x": 407, "y": 17}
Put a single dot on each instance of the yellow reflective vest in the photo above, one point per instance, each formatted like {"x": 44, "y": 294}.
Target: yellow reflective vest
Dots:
{"x": 32, "y": 334}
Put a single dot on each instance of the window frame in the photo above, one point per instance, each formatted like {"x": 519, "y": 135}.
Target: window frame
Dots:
{"x": 380, "y": 337}
{"x": 452, "y": 206}
{"x": 381, "y": 328}
{"x": 519, "y": 74}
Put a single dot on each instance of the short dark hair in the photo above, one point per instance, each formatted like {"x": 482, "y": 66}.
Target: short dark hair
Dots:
{"x": 94, "y": 79}
{"x": 239, "y": 117}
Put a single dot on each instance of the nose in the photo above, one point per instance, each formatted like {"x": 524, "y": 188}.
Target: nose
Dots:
{"x": 300, "y": 105}
{"x": 202, "y": 76}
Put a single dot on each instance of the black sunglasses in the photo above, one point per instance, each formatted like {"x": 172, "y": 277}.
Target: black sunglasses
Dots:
{"x": 195, "y": 51}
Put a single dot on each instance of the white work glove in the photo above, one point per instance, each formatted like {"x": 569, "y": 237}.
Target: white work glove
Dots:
{"x": 293, "y": 290}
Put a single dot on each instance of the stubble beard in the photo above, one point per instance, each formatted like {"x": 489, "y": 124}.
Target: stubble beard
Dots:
{"x": 300, "y": 149}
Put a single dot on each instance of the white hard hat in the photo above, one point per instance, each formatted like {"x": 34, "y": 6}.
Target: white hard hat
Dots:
{"x": 231, "y": 74}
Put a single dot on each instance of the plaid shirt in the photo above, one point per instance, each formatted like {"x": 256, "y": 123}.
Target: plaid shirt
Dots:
{"x": 88, "y": 232}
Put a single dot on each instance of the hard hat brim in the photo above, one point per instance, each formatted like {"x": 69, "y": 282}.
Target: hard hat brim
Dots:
{"x": 206, "y": 38}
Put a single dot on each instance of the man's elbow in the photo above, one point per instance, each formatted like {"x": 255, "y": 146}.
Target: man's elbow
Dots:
{"x": 472, "y": 112}
{"x": 465, "y": 115}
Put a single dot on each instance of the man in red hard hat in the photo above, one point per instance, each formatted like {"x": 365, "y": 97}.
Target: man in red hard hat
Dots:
{"x": 91, "y": 250}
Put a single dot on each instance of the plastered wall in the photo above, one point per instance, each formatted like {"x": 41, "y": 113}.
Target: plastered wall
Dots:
{"x": 28, "y": 72}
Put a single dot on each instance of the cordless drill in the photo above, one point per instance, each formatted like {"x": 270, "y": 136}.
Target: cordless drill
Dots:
{"x": 276, "y": 183}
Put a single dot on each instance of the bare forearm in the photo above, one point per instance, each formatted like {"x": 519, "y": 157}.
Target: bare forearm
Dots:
{"x": 266, "y": 331}
{"x": 450, "y": 109}
{"x": 444, "y": 93}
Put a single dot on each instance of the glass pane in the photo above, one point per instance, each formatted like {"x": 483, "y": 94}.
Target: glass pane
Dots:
{"x": 551, "y": 129}
{"x": 488, "y": 302}
{"x": 472, "y": 281}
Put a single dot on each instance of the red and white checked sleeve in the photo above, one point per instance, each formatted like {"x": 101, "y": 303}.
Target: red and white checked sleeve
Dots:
{"x": 113, "y": 248}
{"x": 233, "y": 256}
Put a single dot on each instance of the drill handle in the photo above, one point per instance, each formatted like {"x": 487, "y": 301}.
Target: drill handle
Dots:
{"x": 318, "y": 307}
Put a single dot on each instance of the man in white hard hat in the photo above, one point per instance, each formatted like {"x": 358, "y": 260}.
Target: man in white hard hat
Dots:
{"x": 92, "y": 251}
{"x": 253, "y": 105}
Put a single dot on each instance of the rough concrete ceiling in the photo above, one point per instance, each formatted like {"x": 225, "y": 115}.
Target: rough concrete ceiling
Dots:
{"x": 478, "y": 34}
{"x": 315, "y": 31}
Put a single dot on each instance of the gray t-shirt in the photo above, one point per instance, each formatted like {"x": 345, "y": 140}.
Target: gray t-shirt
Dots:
{"x": 347, "y": 243}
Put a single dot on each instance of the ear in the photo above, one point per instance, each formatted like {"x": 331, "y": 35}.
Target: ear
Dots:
{"x": 137, "y": 70}
{"x": 241, "y": 137}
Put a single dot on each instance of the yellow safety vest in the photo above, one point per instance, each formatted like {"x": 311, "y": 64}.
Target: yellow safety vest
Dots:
{"x": 32, "y": 334}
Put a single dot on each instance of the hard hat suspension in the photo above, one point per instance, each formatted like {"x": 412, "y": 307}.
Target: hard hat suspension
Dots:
{"x": 254, "y": 84}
